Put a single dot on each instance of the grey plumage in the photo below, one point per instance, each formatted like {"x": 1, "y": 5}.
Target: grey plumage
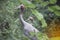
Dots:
{"x": 28, "y": 28}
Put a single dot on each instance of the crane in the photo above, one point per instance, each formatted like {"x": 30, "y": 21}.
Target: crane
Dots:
{"x": 26, "y": 26}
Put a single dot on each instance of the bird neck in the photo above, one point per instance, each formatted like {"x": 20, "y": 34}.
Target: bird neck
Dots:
{"x": 21, "y": 18}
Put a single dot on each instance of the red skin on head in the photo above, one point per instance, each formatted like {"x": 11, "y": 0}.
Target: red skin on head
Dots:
{"x": 22, "y": 8}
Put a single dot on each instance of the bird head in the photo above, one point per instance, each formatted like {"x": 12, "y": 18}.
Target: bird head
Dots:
{"x": 21, "y": 7}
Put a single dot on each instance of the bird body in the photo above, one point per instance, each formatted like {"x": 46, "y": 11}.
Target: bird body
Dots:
{"x": 32, "y": 33}
{"x": 27, "y": 26}
{"x": 30, "y": 28}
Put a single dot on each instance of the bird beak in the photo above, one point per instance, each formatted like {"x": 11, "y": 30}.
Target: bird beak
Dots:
{"x": 18, "y": 7}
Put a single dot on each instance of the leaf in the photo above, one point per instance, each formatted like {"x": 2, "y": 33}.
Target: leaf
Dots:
{"x": 50, "y": 9}
{"x": 39, "y": 17}
{"x": 44, "y": 3}
{"x": 38, "y": 1}
{"x": 42, "y": 36}
{"x": 53, "y": 1}
{"x": 57, "y": 13}
{"x": 39, "y": 35}
{"x": 32, "y": 33}
{"x": 55, "y": 9}
{"x": 27, "y": 3}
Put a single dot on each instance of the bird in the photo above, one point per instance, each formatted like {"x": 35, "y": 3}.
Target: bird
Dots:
{"x": 27, "y": 26}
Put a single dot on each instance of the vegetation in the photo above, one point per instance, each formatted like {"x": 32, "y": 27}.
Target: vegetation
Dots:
{"x": 43, "y": 13}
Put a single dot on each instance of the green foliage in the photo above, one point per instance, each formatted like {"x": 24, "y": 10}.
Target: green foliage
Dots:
{"x": 37, "y": 8}
{"x": 27, "y": 3}
{"x": 54, "y": 9}
{"x": 52, "y": 1}
{"x": 44, "y": 4}
{"x": 39, "y": 17}
{"x": 39, "y": 35}
{"x": 42, "y": 36}
{"x": 57, "y": 13}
